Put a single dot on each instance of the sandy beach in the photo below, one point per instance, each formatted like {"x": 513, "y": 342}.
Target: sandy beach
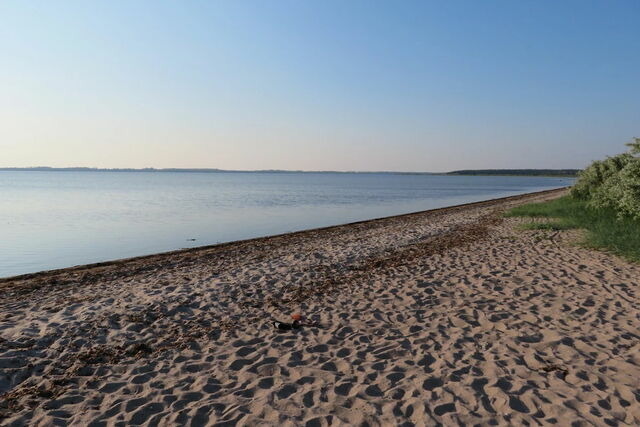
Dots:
{"x": 453, "y": 316}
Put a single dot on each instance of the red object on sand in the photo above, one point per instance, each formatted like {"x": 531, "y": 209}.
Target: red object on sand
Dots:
{"x": 296, "y": 316}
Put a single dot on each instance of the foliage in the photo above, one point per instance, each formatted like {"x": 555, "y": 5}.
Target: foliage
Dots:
{"x": 605, "y": 228}
{"x": 613, "y": 183}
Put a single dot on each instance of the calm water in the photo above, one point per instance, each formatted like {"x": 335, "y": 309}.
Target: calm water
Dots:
{"x": 60, "y": 219}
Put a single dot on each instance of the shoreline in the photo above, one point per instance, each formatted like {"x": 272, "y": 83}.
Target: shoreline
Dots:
{"x": 123, "y": 261}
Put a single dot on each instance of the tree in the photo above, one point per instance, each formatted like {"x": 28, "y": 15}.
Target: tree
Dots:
{"x": 635, "y": 146}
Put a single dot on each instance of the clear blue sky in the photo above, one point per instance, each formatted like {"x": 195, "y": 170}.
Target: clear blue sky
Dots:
{"x": 340, "y": 85}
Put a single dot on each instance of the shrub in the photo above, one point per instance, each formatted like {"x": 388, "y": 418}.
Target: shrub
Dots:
{"x": 629, "y": 201}
{"x": 613, "y": 183}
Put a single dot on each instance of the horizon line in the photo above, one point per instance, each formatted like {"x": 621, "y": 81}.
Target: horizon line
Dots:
{"x": 562, "y": 171}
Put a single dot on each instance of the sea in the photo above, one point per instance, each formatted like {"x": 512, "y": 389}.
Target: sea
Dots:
{"x": 57, "y": 219}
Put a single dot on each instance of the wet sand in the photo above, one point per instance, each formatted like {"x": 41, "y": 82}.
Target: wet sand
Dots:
{"x": 452, "y": 316}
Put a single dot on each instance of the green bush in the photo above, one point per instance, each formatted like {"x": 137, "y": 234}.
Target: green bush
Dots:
{"x": 629, "y": 202}
{"x": 613, "y": 183}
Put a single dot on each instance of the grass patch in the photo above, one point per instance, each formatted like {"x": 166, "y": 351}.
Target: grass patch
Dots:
{"x": 562, "y": 207}
{"x": 604, "y": 229}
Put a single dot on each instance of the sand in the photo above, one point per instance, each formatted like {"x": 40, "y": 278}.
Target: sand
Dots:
{"x": 453, "y": 317}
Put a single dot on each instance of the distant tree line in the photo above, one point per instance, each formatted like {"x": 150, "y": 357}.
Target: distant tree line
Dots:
{"x": 613, "y": 183}
{"x": 523, "y": 172}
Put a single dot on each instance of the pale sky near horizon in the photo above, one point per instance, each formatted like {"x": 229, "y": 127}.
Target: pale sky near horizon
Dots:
{"x": 318, "y": 85}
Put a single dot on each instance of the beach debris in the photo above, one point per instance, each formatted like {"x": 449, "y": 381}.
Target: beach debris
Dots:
{"x": 298, "y": 322}
{"x": 283, "y": 326}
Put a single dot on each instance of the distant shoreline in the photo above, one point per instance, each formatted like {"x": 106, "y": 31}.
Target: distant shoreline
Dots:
{"x": 556, "y": 173}
{"x": 559, "y": 173}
